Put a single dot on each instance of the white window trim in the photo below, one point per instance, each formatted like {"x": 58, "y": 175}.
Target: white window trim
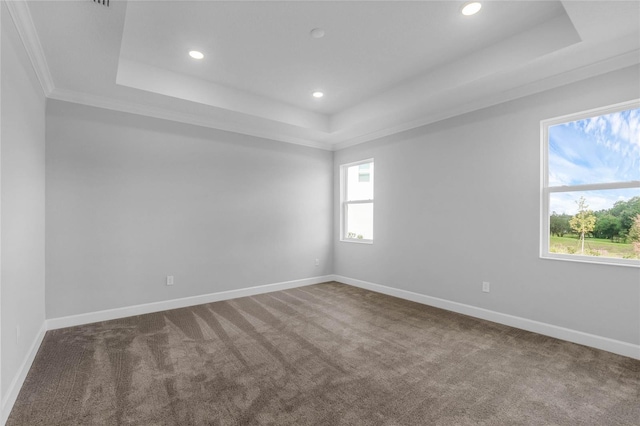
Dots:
{"x": 546, "y": 190}
{"x": 344, "y": 203}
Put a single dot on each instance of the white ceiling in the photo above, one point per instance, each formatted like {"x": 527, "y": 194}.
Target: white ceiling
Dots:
{"x": 385, "y": 66}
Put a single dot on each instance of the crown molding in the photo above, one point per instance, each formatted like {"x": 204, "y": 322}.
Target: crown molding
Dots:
{"x": 602, "y": 67}
{"x": 577, "y": 74}
{"x": 21, "y": 16}
{"x": 171, "y": 115}
{"x": 19, "y": 12}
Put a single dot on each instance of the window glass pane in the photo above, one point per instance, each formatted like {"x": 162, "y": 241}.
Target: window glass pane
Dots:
{"x": 600, "y": 149}
{"x": 609, "y": 220}
{"x": 364, "y": 172}
{"x": 360, "y": 221}
{"x": 360, "y": 182}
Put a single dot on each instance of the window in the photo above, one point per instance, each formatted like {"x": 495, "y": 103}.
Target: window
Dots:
{"x": 356, "y": 193}
{"x": 591, "y": 186}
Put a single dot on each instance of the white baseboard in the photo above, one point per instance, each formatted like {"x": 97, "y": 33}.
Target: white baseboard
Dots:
{"x": 69, "y": 321}
{"x": 603, "y": 343}
{"x": 127, "y": 311}
{"x": 16, "y": 384}
{"x": 610, "y": 345}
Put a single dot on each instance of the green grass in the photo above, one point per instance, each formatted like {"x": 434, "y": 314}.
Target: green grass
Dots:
{"x": 605, "y": 248}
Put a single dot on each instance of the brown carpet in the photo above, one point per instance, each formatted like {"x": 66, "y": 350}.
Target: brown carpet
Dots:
{"x": 326, "y": 354}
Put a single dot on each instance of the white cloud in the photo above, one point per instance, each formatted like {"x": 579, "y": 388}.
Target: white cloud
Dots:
{"x": 599, "y": 149}
{"x": 634, "y": 128}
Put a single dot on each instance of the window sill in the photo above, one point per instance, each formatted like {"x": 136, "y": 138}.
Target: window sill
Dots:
{"x": 592, "y": 259}
{"x": 355, "y": 240}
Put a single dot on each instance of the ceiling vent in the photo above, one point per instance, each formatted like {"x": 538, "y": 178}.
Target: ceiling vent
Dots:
{"x": 104, "y": 2}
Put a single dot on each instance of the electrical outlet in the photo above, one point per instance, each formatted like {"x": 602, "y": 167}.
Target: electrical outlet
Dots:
{"x": 317, "y": 262}
{"x": 169, "y": 279}
{"x": 485, "y": 286}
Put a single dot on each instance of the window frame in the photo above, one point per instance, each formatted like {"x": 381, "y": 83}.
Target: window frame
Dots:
{"x": 344, "y": 203}
{"x": 546, "y": 190}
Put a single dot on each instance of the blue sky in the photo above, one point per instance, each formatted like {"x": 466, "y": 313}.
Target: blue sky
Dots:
{"x": 601, "y": 149}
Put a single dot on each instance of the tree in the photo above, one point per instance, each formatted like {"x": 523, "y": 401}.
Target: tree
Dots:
{"x": 634, "y": 231}
{"x": 583, "y": 222}
{"x": 626, "y": 211}
{"x": 559, "y": 224}
{"x": 634, "y": 234}
{"x": 607, "y": 226}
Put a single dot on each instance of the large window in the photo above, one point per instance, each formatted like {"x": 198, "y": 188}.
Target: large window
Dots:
{"x": 356, "y": 180}
{"x": 591, "y": 186}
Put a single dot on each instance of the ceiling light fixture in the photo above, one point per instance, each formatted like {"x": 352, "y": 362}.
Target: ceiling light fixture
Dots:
{"x": 196, "y": 55}
{"x": 317, "y": 94}
{"x": 471, "y": 8}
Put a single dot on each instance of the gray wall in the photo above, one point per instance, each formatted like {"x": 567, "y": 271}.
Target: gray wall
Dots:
{"x": 22, "y": 180}
{"x": 131, "y": 199}
{"x": 457, "y": 203}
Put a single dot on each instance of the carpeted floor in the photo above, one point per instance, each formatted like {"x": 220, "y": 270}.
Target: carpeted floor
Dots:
{"x": 327, "y": 354}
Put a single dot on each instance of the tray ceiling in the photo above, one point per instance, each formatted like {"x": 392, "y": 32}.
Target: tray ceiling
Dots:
{"x": 384, "y": 66}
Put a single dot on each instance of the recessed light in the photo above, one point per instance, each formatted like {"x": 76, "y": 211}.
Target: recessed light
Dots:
{"x": 317, "y": 95}
{"x": 196, "y": 55}
{"x": 471, "y": 8}
{"x": 317, "y": 33}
